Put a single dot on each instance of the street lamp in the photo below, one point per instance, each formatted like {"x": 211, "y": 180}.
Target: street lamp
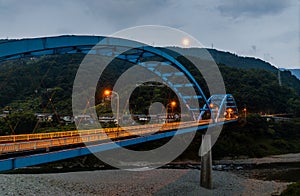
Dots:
{"x": 229, "y": 112}
{"x": 108, "y": 93}
{"x": 172, "y": 104}
{"x": 213, "y": 110}
{"x": 245, "y": 111}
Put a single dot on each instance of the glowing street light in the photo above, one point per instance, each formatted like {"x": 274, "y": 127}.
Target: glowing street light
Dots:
{"x": 229, "y": 112}
{"x": 108, "y": 93}
{"x": 245, "y": 111}
{"x": 172, "y": 104}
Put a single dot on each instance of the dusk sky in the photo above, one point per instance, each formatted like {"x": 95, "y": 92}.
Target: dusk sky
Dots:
{"x": 266, "y": 29}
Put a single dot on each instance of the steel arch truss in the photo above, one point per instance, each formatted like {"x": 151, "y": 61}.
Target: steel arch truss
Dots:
{"x": 135, "y": 52}
{"x": 222, "y": 106}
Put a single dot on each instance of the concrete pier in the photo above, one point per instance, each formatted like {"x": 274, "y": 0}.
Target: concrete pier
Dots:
{"x": 206, "y": 163}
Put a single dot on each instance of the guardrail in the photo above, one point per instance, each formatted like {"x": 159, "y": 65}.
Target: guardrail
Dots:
{"x": 87, "y": 136}
{"x": 52, "y": 135}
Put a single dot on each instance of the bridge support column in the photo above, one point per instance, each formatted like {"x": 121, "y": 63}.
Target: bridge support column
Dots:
{"x": 206, "y": 163}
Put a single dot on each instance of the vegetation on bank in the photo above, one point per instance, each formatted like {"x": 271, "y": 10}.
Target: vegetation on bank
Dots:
{"x": 258, "y": 137}
{"x": 292, "y": 190}
{"x": 255, "y": 137}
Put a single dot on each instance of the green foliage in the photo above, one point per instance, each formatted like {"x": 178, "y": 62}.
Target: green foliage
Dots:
{"x": 292, "y": 190}
{"x": 143, "y": 96}
{"x": 104, "y": 109}
{"x": 294, "y": 106}
{"x": 259, "y": 91}
{"x": 18, "y": 123}
{"x": 257, "y": 137}
{"x": 287, "y": 129}
{"x": 45, "y": 84}
{"x": 39, "y": 84}
{"x": 46, "y": 127}
{"x": 229, "y": 59}
{"x": 236, "y": 61}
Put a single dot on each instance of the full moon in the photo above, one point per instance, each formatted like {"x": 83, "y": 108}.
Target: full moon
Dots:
{"x": 185, "y": 42}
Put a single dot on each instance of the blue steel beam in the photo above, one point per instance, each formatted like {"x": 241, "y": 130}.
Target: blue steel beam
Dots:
{"x": 19, "y": 48}
{"x": 223, "y": 101}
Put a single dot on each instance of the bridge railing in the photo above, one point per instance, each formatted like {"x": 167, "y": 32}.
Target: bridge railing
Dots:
{"x": 52, "y": 135}
{"x": 91, "y": 136}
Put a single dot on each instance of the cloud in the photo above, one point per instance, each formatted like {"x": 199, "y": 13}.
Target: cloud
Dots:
{"x": 124, "y": 13}
{"x": 249, "y": 27}
{"x": 252, "y": 8}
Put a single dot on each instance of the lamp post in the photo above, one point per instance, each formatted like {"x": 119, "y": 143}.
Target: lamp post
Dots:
{"x": 245, "y": 113}
{"x": 229, "y": 112}
{"x": 213, "y": 113}
{"x": 172, "y": 104}
{"x": 108, "y": 93}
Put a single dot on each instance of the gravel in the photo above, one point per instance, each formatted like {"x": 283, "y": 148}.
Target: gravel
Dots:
{"x": 117, "y": 182}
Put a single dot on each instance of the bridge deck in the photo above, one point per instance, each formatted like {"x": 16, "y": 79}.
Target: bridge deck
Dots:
{"x": 51, "y": 135}
{"x": 48, "y": 140}
{"x": 24, "y": 161}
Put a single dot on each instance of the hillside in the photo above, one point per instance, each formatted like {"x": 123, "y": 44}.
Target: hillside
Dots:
{"x": 29, "y": 84}
{"x": 229, "y": 59}
{"x": 295, "y": 72}
{"x": 288, "y": 77}
{"x": 243, "y": 63}
{"x": 240, "y": 62}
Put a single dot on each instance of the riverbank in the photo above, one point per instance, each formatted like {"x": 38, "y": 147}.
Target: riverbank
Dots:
{"x": 260, "y": 176}
{"x": 284, "y": 168}
{"x": 283, "y": 158}
{"x": 118, "y": 182}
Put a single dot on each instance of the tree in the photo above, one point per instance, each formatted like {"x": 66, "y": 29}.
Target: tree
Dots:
{"x": 294, "y": 106}
{"x": 20, "y": 123}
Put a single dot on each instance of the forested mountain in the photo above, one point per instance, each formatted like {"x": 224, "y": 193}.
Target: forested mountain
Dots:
{"x": 244, "y": 63}
{"x": 295, "y": 72}
{"x": 43, "y": 83}
{"x": 229, "y": 59}
{"x": 30, "y": 84}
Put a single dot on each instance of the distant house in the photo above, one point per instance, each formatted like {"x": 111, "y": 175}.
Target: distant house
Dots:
{"x": 107, "y": 119}
{"x": 275, "y": 118}
{"x": 68, "y": 119}
{"x": 44, "y": 117}
{"x": 6, "y": 112}
{"x": 83, "y": 119}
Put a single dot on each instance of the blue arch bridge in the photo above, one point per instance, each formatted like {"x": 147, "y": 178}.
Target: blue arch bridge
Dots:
{"x": 24, "y": 150}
